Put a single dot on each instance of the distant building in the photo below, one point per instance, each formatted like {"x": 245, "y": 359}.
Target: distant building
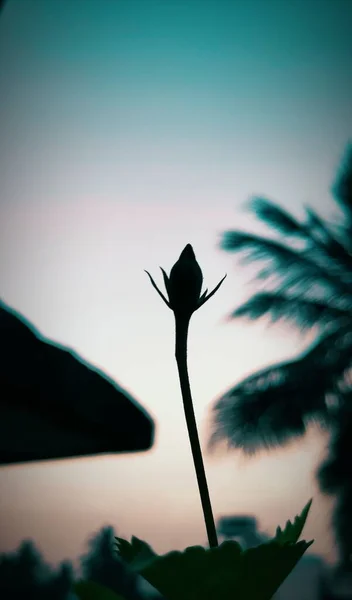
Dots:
{"x": 242, "y": 528}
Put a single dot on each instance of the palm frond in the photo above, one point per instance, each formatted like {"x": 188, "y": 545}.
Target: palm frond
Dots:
{"x": 342, "y": 188}
{"x": 275, "y": 404}
{"x": 315, "y": 232}
{"x": 276, "y": 217}
{"x": 335, "y": 478}
{"x": 269, "y": 409}
{"x": 303, "y": 312}
{"x": 332, "y": 476}
{"x": 342, "y": 523}
{"x": 322, "y": 242}
{"x": 295, "y": 268}
{"x": 328, "y": 243}
{"x": 337, "y": 469}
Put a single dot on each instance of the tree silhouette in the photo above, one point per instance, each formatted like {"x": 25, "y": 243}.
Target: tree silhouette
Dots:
{"x": 308, "y": 274}
{"x": 335, "y": 477}
{"x": 60, "y": 584}
{"x": 24, "y": 574}
{"x": 102, "y": 565}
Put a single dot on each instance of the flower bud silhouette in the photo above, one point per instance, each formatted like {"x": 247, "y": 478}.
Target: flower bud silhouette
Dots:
{"x": 184, "y": 297}
{"x": 184, "y": 285}
{"x": 185, "y": 282}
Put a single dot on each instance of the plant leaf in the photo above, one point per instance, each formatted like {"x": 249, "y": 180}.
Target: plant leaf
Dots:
{"x": 89, "y": 590}
{"x": 157, "y": 289}
{"x": 184, "y": 575}
{"x": 166, "y": 280}
{"x": 293, "y": 530}
{"x": 266, "y": 567}
{"x": 203, "y": 299}
{"x": 137, "y": 554}
{"x": 224, "y": 572}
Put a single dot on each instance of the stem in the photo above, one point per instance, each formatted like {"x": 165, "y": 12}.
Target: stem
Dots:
{"x": 182, "y": 324}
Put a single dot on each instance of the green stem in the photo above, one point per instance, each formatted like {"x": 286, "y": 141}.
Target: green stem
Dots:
{"x": 182, "y": 324}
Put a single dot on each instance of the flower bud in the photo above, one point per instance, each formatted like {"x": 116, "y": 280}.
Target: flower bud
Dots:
{"x": 185, "y": 283}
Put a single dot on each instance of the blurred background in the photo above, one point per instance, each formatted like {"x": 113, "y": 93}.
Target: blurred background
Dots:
{"x": 129, "y": 129}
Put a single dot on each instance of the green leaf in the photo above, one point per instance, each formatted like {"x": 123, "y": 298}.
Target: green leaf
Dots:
{"x": 89, "y": 590}
{"x": 224, "y": 573}
{"x": 137, "y": 554}
{"x": 293, "y": 530}
{"x": 196, "y": 573}
{"x": 266, "y": 567}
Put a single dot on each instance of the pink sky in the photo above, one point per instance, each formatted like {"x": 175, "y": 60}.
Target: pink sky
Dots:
{"x": 65, "y": 254}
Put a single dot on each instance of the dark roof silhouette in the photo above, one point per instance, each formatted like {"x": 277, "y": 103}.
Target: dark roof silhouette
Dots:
{"x": 54, "y": 405}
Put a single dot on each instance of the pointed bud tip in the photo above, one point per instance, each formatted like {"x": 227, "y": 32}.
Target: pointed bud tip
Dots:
{"x": 188, "y": 252}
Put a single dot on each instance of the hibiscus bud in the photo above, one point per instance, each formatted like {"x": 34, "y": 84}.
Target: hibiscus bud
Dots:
{"x": 185, "y": 283}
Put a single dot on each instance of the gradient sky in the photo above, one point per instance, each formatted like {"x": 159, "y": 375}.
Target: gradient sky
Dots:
{"x": 130, "y": 128}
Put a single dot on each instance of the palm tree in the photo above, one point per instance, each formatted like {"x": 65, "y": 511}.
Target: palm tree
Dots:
{"x": 335, "y": 478}
{"x": 307, "y": 280}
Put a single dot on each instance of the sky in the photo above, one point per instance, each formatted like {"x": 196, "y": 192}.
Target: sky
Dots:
{"x": 129, "y": 129}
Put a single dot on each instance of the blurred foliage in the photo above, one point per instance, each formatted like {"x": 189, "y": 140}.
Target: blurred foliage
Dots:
{"x": 222, "y": 573}
{"x": 304, "y": 277}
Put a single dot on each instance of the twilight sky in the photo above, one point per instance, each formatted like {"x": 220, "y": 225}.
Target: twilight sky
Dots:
{"x": 128, "y": 129}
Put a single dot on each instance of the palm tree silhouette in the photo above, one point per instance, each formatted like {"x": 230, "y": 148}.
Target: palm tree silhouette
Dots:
{"x": 307, "y": 277}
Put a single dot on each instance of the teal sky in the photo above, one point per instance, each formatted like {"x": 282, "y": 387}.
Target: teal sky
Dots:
{"x": 130, "y": 128}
